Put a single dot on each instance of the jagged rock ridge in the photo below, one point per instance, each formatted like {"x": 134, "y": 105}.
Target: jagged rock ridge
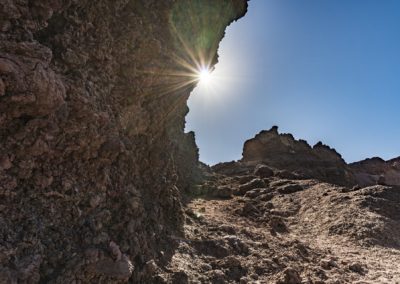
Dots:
{"x": 284, "y": 152}
{"x": 377, "y": 171}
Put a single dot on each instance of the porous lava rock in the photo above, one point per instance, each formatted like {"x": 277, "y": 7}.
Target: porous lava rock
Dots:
{"x": 93, "y": 153}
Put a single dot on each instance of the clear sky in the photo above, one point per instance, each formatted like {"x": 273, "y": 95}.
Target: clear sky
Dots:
{"x": 323, "y": 70}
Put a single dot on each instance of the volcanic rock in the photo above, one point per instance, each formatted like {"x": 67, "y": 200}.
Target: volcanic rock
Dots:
{"x": 283, "y": 152}
{"x": 263, "y": 171}
{"x": 255, "y": 183}
{"x": 290, "y": 276}
{"x": 377, "y": 171}
{"x": 92, "y": 142}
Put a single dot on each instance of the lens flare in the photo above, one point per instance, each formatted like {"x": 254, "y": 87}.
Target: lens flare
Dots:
{"x": 204, "y": 75}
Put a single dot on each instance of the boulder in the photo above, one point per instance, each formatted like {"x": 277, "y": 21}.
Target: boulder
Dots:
{"x": 263, "y": 171}
{"x": 255, "y": 183}
{"x": 289, "y": 188}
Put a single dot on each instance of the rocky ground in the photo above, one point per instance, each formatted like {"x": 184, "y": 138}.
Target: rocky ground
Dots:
{"x": 264, "y": 228}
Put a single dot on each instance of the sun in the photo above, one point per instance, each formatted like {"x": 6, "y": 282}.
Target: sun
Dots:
{"x": 204, "y": 76}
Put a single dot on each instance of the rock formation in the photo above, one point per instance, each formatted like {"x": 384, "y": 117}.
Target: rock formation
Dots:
{"x": 377, "y": 171}
{"x": 284, "y": 152}
{"x": 94, "y": 161}
{"x": 289, "y": 213}
{"x": 92, "y": 149}
{"x": 298, "y": 159}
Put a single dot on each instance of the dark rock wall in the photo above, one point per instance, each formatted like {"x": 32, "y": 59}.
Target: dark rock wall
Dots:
{"x": 92, "y": 149}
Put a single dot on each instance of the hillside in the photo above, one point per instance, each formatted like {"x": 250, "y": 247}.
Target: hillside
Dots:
{"x": 250, "y": 222}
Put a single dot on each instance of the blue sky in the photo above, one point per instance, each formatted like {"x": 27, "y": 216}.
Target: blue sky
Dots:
{"x": 323, "y": 70}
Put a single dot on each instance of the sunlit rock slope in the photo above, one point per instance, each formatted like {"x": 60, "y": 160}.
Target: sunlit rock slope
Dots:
{"x": 288, "y": 213}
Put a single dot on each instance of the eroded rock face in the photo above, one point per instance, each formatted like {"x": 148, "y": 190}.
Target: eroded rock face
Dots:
{"x": 92, "y": 105}
{"x": 283, "y": 152}
{"x": 377, "y": 171}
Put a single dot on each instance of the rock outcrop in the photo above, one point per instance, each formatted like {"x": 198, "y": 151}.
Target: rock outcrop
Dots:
{"x": 283, "y": 152}
{"x": 92, "y": 149}
{"x": 291, "y": 158}
{"x": 377, "y": 171}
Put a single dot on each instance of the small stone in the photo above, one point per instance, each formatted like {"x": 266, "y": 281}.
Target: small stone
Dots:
{"x": 222, "y": 192}
{"x": 255, "y": 183}
{"x": 289, "y": 276}
{"x": 253, "y": 193}
{"x": 290, "y": 188}
{"x": 249, "y": 208}
{"x": 278, "y": 225}
{"x": 115, "y": 251}
{"x": 357, "y": 268}
{"x": 180, "y": 277}
{"x": 218, "y": 276}
{"x": 206, "y": 267}
{"x": 254, "y": 276}
{"x": 95, "y": 201}
{"x": 5, "y": 163}
{"x": 245, "y": 179}
{"x": 286, "y": 174}
{"x": 328, "y": 264}
{"x": 121, "y": 269}
{"x": 150, "y": 267}
{"x": 265, "y": 197}
{"x": 92, "y": 255}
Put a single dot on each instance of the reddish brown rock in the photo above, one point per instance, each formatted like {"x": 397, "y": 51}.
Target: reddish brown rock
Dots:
{"x": 263, "y": 171}
{"x": 377, "y": 171}
{"x": 92, "y": 142}
{"x": 283, "y": 152}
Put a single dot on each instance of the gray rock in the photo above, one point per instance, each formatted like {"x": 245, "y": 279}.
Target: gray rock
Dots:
{"x": 263, "y": 171}
{"x": 289, "y": 276}
{"x": 255, "y": 183}
{"x": 289, "y": 188}
{"x": 222, "y": 192}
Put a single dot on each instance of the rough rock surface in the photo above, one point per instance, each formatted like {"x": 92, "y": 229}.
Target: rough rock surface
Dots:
{"x": 284, "y": 152}
{"x": 377, "y": 171}
{"x": 297, "y": 159}
{"x": 288, "y": 232}
{"x": 93, "y": 161}
{"x": 93, "y": 155}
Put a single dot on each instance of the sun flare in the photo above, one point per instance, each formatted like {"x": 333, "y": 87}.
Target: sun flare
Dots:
{"x": 204, "y": 76}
